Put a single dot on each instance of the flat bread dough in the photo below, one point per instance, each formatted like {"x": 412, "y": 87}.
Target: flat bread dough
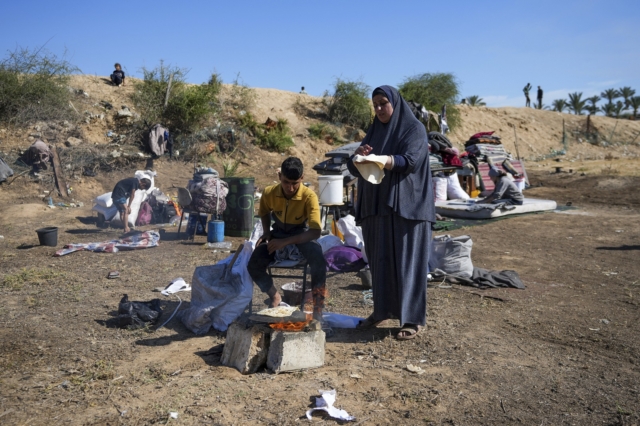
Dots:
{"x": 279, "y": 311}
{"x": 372, "y": 172}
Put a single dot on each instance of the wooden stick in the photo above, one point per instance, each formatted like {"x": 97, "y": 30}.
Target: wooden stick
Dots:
{"x": 516, "y": 141}
{"x": 166, "y": 98}
{"x": 57, "y": 172}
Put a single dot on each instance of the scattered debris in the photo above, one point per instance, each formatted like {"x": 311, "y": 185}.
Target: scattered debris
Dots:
{"x": 415, "y": 369}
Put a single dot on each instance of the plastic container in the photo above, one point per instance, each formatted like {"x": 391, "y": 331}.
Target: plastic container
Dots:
{"x": 292, "y": 293}
{"x": 330, "y": 190}
{"x": 215, "y": 231}
{"x": 238, "y": 217}
{"x": 48, "y": 236}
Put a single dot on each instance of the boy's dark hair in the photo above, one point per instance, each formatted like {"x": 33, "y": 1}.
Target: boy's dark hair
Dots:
{"x": 292, "y": 168}
{"x": 117, "y": 65}
{"x": 146, "y": 182}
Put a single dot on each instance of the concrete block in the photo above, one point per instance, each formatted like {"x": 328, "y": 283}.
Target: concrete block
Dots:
{"x": 290, "y": 351}
{"x": 246, "y": 348}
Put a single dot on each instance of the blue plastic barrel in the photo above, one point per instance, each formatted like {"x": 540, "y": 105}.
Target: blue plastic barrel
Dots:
{"x": 215, "y": 231}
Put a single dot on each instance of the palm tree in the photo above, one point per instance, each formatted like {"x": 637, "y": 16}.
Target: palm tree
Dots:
{"x": 634, "y": 103}
{"x": 576, "y": 103}
{"x": 559, "y": 105}
{"x": 593, "y": 109}
{"x": 476, "y": 100}
{"x": 626, "y": 93}
{"x": 610, "y": 95}
{"x": 618, "y": 107}
{"x": 608, "y": 109}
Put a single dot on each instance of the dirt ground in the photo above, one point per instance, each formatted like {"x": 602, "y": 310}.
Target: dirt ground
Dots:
{"x": 563, "y": 351}
{"x": 566, "y": 350}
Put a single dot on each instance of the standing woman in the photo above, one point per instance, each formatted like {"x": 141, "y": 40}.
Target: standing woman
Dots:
{"x": 396, "y": 214}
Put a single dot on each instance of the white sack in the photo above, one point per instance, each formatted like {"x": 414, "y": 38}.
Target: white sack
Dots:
{"x": 147, "y": 174}
{"x": 104, "y": 200}
{"x": 138, "y": 198}
{"x": 107, "y": 212}
{"x": 440, "y": 188}
{"x": 352, "y": 234}
{"x": 452, "y": 255}
{"x": 454, "y": 190}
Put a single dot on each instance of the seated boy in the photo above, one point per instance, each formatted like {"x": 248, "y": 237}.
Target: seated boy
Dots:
{"x": 296, "y": 213}
{"x": 124, "y": 189}
{"x": 117, "y": 78}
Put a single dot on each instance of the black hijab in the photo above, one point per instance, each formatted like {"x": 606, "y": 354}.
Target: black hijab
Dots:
{"x": 408, "y": 194}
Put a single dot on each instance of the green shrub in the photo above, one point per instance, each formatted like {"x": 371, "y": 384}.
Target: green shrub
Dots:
{"x": 187, "y": 108}
{"x": 325, "y": 132}
{"x": 33, "y": 86}
{"x": 433, "y": 90}
{"x": 350, "y": 104}
{"x": 277, "y": 138}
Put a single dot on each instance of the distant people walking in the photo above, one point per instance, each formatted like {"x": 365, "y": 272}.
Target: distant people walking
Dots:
{"x": 302, "y": 91}
{"x": 539, "y": 98}
{"x": 117, "y": 78}
{"x": 526, "y": 91}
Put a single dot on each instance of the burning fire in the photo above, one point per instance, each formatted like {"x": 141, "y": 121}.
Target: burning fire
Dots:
{"x": 292, "y": 326}
{"x": 289, "y": 326}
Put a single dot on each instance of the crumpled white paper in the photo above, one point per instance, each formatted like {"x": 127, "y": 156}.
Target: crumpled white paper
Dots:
{"x": 176, "y": 285}
{"x": 325, "y": 403}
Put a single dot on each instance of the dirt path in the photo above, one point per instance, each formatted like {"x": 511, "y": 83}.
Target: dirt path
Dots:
{"x": 563, "y": 351}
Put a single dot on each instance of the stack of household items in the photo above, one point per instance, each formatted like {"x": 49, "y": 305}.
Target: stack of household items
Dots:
{"x": 148, "y": 206}
{"x": 445, "y": 163}
{"x": 482, "y": 151}
{"x": 485, "y": 163}
{"x": 208, "y": 197}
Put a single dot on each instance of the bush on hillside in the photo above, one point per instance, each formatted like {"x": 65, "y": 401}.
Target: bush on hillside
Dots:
{"x": 187, "y": 108}
{"x": 33, "y": 86}
{"x": 277, "y": 138}
{"x": 325, "y": 132}
{"x": 351, "y": 104}
{"x": 433, "y": 90}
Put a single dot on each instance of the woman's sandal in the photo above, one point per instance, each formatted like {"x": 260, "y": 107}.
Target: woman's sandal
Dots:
{"x": 368, "y": 322}
{"x": 408, "y": 332}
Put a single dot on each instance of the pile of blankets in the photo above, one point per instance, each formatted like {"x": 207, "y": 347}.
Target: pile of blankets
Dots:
{"x": 208, "y": 192}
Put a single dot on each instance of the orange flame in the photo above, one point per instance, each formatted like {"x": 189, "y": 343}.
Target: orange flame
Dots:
{"x": 289, "y": 326}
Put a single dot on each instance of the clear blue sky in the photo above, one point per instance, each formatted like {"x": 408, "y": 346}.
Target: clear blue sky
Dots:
{"x": 493, "y": 47}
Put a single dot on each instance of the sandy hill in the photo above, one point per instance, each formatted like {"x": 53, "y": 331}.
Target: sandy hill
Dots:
{"x": 538, "y": 132}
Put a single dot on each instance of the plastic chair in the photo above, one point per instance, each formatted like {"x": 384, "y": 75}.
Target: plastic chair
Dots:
{"x": 184, "y": 199}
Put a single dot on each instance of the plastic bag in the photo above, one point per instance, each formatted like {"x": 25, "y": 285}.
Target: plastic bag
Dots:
{"x": 329, "y": 241}
{"x": 217, "y": 298}
{"x": 145, "y": 214}
{"x": 341, "y": 321}
{"x": 136, "y": 315}
{"x": 452, "y": 255}
{"x": 352, "y": 234}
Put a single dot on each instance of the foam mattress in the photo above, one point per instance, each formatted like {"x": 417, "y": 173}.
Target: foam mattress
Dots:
{"x": 465, "y": 209}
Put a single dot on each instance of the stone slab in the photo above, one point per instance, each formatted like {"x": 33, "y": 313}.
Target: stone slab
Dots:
{"x": 291, "y": 351}
{"x": 246, "y": 348}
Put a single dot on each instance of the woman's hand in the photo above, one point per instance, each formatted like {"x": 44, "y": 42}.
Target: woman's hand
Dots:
{"x": 363, "y": 150}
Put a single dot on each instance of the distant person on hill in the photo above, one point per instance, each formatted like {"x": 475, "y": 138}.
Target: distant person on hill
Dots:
{"x": 526, "y": 91}
{"x": 117, "y": 78}
{"x": 539, "y": 98}
{"x": 302, "y": 91}
{"x": 124, "y": 189}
